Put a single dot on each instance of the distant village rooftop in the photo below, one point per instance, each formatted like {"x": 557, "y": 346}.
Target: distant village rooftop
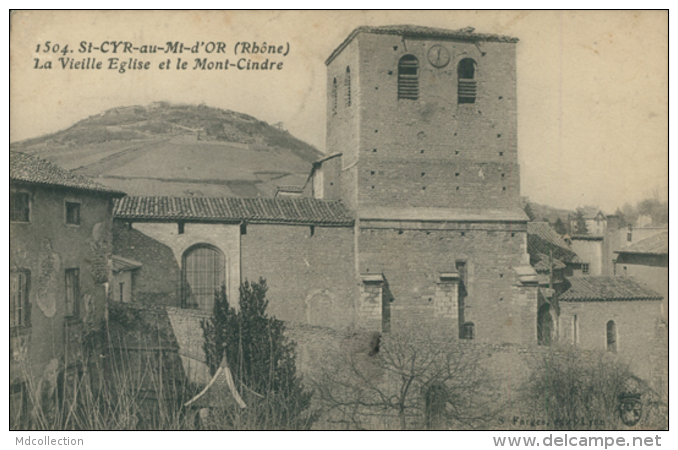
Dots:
{"x": 29, "y": 169}
{"x": 654, "y": 245}
{"x": 299, "y": 211}
{"x": 606, "y": 289}
{"x": 416, "y": 31}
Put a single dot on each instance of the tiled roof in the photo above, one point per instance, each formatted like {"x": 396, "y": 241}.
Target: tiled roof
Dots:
{"x": 121, "y": 264}
{"x": 654, "y": 245}
{"x": 306, "y": 211}
{"x": 606, "y": 289}
{"x": 586, "y": 237}
{"x": 464, "y": 34}
{"x": 29, "y": 169}
{"x": 541, "y": 237}
{"x": 543, "y": 264}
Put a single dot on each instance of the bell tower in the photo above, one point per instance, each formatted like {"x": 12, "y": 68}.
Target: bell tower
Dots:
{"x": 424, "y": 117}
{"x": 422, "y": 145}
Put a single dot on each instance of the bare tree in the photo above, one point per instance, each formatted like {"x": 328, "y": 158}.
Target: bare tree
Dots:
{"x": 581, "y": 390}
{"x": 414, "y": 381}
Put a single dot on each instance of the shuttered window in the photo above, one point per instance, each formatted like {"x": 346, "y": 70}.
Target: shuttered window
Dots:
{"x": 19, "y": 207}
{"x": 467, "y": 89}
{"x": 18, "y": 297}
{"x": 408, "y": 78}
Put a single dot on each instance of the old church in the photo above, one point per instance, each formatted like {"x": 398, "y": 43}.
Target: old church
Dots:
{"x": 413, "y": 217}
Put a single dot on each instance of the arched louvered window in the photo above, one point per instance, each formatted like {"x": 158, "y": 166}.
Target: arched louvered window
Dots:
{"x": 408, "y": 78}
{"x": 334, "y": 96}
{"x": 347, "y": 85}
{"x": 466, "y": 88}
{"x": 203, "y": 273}
{"x": 611, "y": 336}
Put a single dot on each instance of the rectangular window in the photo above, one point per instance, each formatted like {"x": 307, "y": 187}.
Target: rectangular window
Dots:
{"x": 19, "y": 207}
{"x": 629, "y": 237}
{"x": 72, "y": 292}
{"x": 585, "y": 268}
{"x": 18, "y": 297}
{"x": 73, "y": 213}
{"x": 122, "y": 292}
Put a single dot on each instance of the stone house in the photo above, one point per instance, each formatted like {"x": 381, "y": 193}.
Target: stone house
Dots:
{"x": 596, "y": 222}
{"x": 647, "y": 260}
{"x": 60, "y": 249}
{"x": 617, "y": 314}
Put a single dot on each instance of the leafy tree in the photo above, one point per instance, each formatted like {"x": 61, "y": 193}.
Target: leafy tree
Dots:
{"x": 622, "y": 218}
{"x": 529, "y": 212}
{"x": 580, "y": 227}
{"x": 560, "y": 227}
{"x": 260, "y": 357}
{"x": 657, "y": 210}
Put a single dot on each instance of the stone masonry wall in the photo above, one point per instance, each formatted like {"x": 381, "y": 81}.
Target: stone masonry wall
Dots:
{"x": 158, "y": 281}
{"x": 310, "y": 272}
{"x": 431, "y": 151}
{"x": 43, "y": 249}
{"x": 411, "y": 259}
{"x": 343, "y": 121}
{"x": 636, "y": 321}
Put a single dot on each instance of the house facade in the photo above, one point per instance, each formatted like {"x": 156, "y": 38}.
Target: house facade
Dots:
{"x": 647, "y": 260}
{"x": 619, "y": 315}
{"x": 60, "y": 248}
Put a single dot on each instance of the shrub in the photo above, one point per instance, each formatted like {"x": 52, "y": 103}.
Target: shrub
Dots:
{"x": 261, "y": 358}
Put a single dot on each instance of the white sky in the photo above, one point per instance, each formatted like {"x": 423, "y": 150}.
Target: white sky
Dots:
{"x": 592, "y": 86}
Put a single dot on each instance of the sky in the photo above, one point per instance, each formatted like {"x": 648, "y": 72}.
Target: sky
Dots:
{"x": 592, "y": 85}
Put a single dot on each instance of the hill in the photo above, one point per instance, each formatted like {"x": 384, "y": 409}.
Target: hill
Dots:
{"x": 183, "y": 150}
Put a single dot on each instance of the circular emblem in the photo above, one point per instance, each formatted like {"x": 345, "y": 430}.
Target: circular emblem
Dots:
{"x": 438, "y": 56}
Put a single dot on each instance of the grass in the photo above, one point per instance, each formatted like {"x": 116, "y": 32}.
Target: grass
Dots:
{"x": 134, "y": 382}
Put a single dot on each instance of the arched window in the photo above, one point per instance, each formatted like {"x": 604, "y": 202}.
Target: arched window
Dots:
{"x": 611, "y": 336}
{"x": 408, "y": 78}
{"x": 468, "y": 331}
{"x": 203, "y": 273}
{"x": 347, "y": 84}
{"x": 466, "y": 73}
{"x": 319, "y": 309}
{"x": 334, "y": 96}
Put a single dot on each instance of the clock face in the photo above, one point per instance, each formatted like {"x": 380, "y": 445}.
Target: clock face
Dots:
{"x": 438, "y": 56}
